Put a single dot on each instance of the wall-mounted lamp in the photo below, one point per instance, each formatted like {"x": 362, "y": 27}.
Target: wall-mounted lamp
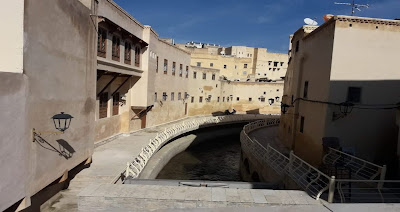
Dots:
{"x": 284, "y": 108}
{"x": 271, "y": 101}
{"x": 277, "y": 98}
{"x": 61, "y": 122}
{"x": 345, "y": 109}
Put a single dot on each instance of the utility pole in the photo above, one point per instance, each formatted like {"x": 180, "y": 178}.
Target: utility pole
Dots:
{"x": 354, "y": 6}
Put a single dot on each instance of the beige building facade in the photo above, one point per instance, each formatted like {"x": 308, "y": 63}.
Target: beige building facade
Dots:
{"x": 346, "y": 60}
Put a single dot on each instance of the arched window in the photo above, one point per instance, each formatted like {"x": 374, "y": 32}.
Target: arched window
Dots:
{"x": 115, "y": 48}
{"x": 128, "y": 49}
{"x": 137, "y": 56}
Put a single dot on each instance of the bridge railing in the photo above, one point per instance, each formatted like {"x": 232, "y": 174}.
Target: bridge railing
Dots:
{"x": 135, "y": 167}
{"x": 317, "y": 183}
{"x": 358, "y": 168}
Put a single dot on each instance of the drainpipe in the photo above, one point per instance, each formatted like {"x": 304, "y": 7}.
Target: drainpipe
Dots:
{"x": 297, "y": 103}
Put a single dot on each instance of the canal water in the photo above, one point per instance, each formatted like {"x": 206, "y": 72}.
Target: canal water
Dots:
{"x": 216, "y": 159}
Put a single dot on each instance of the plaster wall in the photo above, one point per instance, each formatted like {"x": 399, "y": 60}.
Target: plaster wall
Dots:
{"x": 372, "y": 66}
{"x": 12, "y": 41}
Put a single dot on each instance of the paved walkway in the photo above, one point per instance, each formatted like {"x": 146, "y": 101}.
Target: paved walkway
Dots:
{"x": 269, "y": 135}
{"x": 109, "y": 160}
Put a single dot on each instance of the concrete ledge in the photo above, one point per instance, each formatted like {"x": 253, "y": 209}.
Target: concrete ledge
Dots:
{"x": 109, "y": 197}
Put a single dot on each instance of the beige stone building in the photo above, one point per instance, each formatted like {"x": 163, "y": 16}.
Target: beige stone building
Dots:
{"x": 241, "y": 63}
{"x": 345, "y": 60}
{"x": 109, "y": 72}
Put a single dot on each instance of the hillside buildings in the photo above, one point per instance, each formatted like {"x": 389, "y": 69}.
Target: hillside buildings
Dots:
{"x": 343, "y": 82}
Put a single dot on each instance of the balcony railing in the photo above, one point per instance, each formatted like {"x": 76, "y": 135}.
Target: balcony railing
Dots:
{"x": 317, "y": 183}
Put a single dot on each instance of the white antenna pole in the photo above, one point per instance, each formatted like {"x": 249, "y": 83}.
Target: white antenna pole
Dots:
{"x": 354, "y": 6}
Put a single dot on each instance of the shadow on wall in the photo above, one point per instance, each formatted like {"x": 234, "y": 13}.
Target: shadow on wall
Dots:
{"x": 64, "y": 149}
{"x": 255, "y": 111}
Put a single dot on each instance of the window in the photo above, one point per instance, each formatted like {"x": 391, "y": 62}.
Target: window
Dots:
{"x": 250, "y": 99}
{"x": 155, "y": 97}
{"x": 274, "y": 69}
{"x": 224, "y": 66}
{"x": 164, "y": 96}
{"x": 172, "y": 96}
{"x": 165, "y": 66}
{"x": 302, "y": 124}
{"x": 179, "y": 96}
{"x": 297, "y": 45}
{"x": 237, "y": 98}
{"x": 204, "y": 76}
{"x": 276, "y": 64}
{"x": 173, "y": 68}
{"x": 115, "y": 48}
{"x": 198, "y": 64}
{"x": 269, "y": 63}
{"x": 116, "y": 104}
{"x": 127, "y": 56}
{"x": 270, "y": 69}
{"x": 187, "y": 71}
{"x": 277, "y": 89}
{"x": 262, "y": 99}
{"x": 217, "y": 99}
{"x": 137, "y": 56}
{"x": 194, "y": 75}
{"x": 216, "y": 85}
{"x": 103, "y": 106}
{"x": 192, "y": 100}
{"x": 157, "y": 65}
{"x": 227, "y": 99}
{"x": 245, "y": 65}
{"x": 213, "y": 76}
{"x": 101, "y": 42}
{"x": 281, "y": 63}
{"x": 211, "y": 64}
{"x": 305, "y": 92}
{"x": 223, "y": 99}
{"x": 180, "y": 70}
{"x": 200, "y": 99}
{"x": 278, "y": 69}
{"x": 235, "y": 66}
{"x": 265, "y": 92}
{"x": 354, "y": 94}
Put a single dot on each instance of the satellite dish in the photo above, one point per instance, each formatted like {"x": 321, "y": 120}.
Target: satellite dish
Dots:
{"x": 310, "y": 21}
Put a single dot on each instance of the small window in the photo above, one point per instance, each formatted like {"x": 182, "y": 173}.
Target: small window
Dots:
{"x": 116, "y": 104}
{"x": 204, "y": 76}
{"x": 297, "y": 46}
{"x": 173, "y": 68}
{"x": 200, "y": 99}
{"x": 115, "y": 48}
{"x": 172, "y": 96}
{"x": 223, "y": 99}
{"x": 354, "y": 94}
{"x": 227, "y": 99}
{"x": 137, "y": 56}
{"x": 194, "y": 75}
{"x": 128, "y": 49}
{"x": 213, "y": 77}
{"x": 157, "y": 65}
{"x": 235, "y": 66}
{"x": 262, "y": 99}
{"x": 180, "y": 70}
{"x": 237, "y": 98}
{"x": 192, "y": 99}
{"x": 103, "y": 106}
{"x": 101, "y": 42}
{"x": 198, "y": 64}
{"x": 265, "y": 92}
{"x": 179, "y": 95}
{"x": 250, "y": 99}
{"x": 269, "y": 63}
{"x": 211, "y": 64}
{"x": 187, "y": 71}
{"x": 245, "y": 65}
{"x": 224, "y": 66}
{"x": 165, "y": 66}
{"x": 305, "y": 93}
{"x": 281, "y": 63}
{"x": 155, "y": 97}
{"x": 164, "y": 96}
{"x": 216, "y": 85}
{"x": 217, "y": 99}
{"x": 302, "y": 124}
{"x": 276, "y": 64}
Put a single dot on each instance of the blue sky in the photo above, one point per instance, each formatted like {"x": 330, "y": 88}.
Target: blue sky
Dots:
{"x": 255, "y": 23}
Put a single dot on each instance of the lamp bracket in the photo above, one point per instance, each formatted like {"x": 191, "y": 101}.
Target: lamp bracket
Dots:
{"x": 35, "y": 132}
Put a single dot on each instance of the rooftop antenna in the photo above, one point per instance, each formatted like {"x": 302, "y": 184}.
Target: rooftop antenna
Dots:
{"x": 354, "y": 6}
{"x": 310, "y": 21}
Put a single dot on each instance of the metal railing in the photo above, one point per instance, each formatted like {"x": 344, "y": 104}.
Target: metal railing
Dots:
{"x": 359, "y": 169}
{"x": 317, "y": 183}
{"x": 135, "y": 167}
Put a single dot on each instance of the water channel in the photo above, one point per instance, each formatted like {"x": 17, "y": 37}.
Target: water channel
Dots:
{"x": 215, "y": 159}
